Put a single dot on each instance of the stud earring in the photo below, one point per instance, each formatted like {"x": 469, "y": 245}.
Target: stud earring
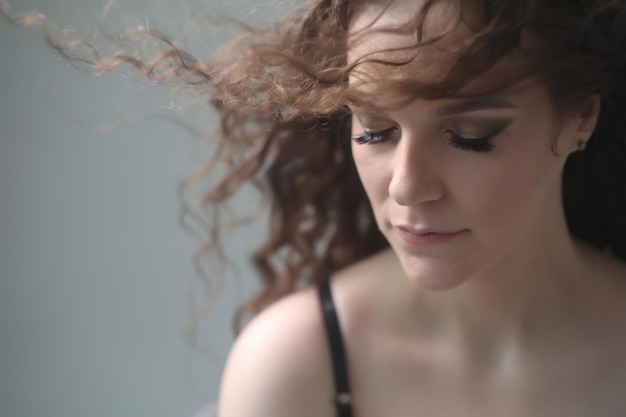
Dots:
{"x": 582, "y": 145}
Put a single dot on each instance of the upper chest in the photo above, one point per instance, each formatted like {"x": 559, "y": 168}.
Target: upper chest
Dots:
{"x": 431, "y": 381}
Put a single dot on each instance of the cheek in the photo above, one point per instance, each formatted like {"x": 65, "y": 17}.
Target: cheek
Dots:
{"x": 372, "y": 164}
{"x": 512, "y": 191}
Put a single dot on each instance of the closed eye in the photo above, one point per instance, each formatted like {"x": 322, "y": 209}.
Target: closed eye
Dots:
{"x": 473, "y": 136}
{"x": 482, "y": 145}
{"x": 372, "y": 137}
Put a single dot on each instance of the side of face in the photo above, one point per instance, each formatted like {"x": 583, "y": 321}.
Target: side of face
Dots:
{"x": 462, "y": 186}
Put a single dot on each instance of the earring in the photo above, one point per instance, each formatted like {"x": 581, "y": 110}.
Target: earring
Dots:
{"x": 582, "y": 145}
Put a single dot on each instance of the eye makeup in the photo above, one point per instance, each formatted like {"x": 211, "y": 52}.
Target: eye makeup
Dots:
{"x": 473, "y": 135}
{"x": 371, "y": 137}
{"x": 476, "y": 129}
{"x": 469, "y": 134}
{"x": 373, "y": 123}
{"x": 375, "y": 128}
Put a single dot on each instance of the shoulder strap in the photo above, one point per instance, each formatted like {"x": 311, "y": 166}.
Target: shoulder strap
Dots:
{"x": 343, "y": 398}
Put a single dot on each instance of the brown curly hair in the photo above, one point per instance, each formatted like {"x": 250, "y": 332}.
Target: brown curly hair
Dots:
{"x": 282, "y": 94}
{"x": 296, "y": 77}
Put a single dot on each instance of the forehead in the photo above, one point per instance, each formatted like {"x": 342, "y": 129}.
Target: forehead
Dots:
{"x": 442, "y": 14}
{"x": 404, "y": 40}
{"x": 390, "y": 31}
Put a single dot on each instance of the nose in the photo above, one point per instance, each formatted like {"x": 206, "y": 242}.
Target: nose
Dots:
{"x": 416, "y": 173}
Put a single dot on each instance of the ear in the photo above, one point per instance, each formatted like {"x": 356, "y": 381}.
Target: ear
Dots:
{"x": 584, "y": 115}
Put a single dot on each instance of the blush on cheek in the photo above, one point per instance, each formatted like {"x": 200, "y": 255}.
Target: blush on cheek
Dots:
{"x": 520, "y": 196}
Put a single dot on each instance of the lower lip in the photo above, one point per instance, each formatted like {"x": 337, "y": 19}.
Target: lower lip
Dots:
{"x": 427, "y": 238}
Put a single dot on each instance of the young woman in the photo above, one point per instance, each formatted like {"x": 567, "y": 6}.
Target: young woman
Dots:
{"x": 448, "y": 206}
{"x": 488, "y": 139}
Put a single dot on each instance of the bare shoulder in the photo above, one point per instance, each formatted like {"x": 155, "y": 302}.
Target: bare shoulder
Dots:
{"x": 279, "y": 365}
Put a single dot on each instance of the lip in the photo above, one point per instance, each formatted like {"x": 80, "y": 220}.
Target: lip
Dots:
{"x": 427, "y": 236}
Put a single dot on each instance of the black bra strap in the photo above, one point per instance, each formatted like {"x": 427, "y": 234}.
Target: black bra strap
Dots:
{"x": 343, "y": 398}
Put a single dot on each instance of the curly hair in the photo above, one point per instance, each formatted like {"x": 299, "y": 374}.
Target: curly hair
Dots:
{"x": 282, "y": 94}
{"x": 297, "y": 77}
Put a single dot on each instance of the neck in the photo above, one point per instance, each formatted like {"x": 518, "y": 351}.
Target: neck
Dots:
{"x": 527, "y": 287}
{"x": 529, "y": 292}
{"x": 516, "y": 300}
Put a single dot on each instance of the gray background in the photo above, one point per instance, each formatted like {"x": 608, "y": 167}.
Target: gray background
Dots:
{"x": 95, "y": 271}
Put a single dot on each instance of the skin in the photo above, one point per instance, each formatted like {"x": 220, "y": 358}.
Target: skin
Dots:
{"x": 511, "y": 317}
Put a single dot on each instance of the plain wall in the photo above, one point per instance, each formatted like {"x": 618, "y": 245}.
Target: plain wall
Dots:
{"x": 95, "y": 271}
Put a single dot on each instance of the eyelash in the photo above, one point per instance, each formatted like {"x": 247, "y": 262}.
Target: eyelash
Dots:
{"x": 370, "y": 138}
{"x": 481, "y": 145}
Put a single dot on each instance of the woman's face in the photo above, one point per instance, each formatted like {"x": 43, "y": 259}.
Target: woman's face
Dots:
{"x": 460, "y": 186}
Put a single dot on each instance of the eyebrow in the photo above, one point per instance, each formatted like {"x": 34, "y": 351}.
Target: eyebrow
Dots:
{"x": 467, "y": 106}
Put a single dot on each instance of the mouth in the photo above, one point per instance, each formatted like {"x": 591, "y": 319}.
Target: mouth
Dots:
{"x": 427, "y": 236}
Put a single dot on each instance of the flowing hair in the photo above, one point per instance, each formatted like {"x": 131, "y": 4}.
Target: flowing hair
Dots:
{"x": 282, "y": 96}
